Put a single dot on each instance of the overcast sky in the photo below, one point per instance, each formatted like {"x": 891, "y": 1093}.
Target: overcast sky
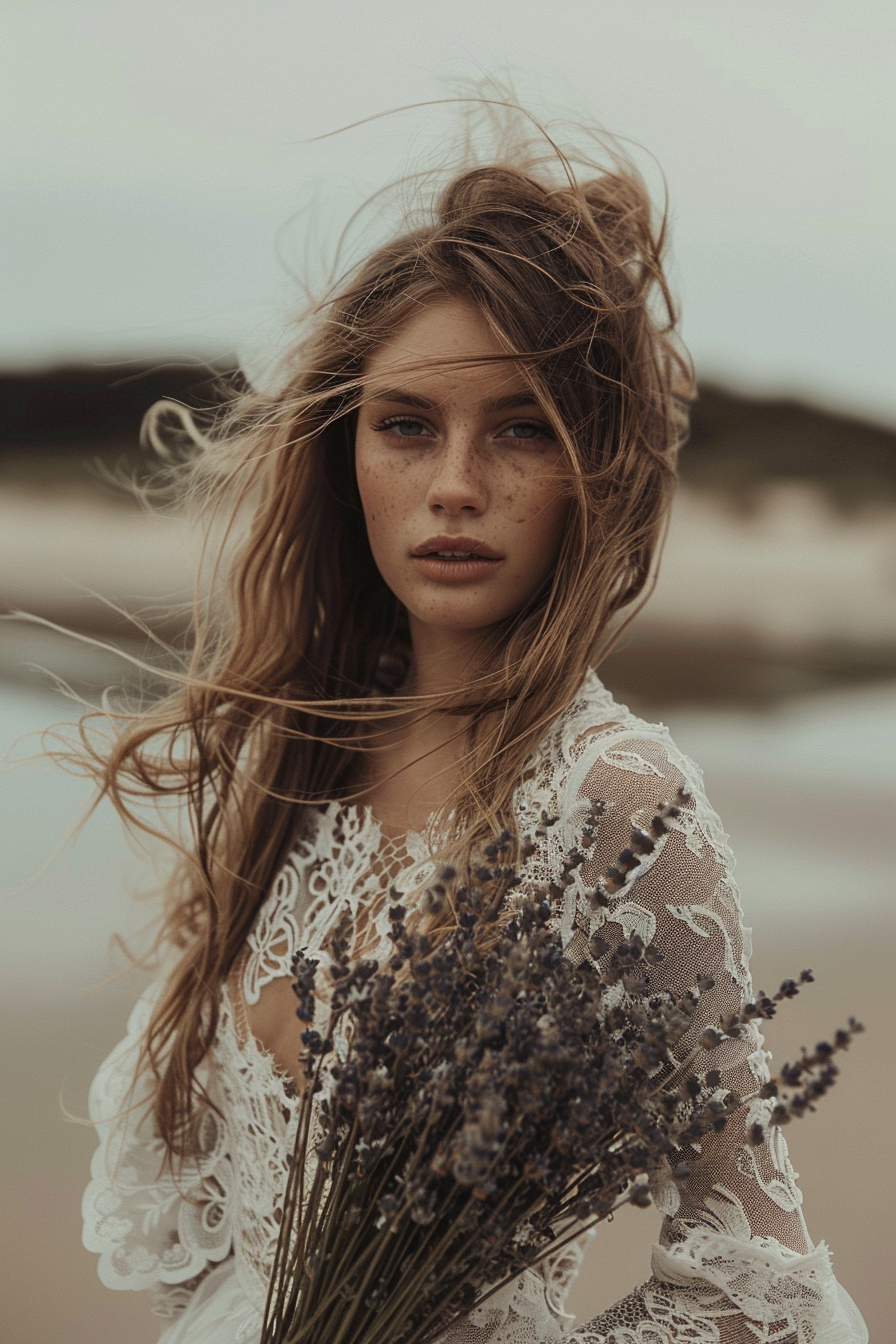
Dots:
{"x": 152, "y": 155}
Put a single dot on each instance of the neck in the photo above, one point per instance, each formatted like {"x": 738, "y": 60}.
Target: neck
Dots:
{"x": 443, "y": 660}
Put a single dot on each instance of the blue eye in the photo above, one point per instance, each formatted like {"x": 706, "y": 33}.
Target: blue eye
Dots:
{"x": 405, "y": 427}
{"x": 525, "y": 429}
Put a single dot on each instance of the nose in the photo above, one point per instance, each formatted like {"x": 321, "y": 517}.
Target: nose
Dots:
{"x": 458, "y": 482}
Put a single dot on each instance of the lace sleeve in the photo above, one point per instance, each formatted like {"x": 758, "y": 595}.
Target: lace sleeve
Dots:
{"x": 734, "y": 1264}
{"x": 150, "y": 1228}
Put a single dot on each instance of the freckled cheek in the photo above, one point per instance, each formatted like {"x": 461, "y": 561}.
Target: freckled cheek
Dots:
{"x": 385, "y": 509}
{"x": 537, "y": 507}
{"x": 382, "y": 484}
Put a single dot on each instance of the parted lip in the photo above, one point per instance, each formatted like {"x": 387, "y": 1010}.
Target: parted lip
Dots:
{"x": 457, "y": 543}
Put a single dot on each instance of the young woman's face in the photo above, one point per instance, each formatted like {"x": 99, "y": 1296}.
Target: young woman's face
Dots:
{"x": 460, "y": 475}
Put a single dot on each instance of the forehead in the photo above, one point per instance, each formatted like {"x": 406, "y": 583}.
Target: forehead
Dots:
{"x": 444, "y": 349}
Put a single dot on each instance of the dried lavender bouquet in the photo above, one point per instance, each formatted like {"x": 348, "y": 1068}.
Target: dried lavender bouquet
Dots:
{"x": 476, "y": 1103}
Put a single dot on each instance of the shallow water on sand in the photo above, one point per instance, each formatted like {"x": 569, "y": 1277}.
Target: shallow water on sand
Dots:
{"x": 807, "y": 793}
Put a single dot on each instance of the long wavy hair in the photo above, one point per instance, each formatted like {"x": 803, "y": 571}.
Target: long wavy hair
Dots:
{"x": 298, "y": 648}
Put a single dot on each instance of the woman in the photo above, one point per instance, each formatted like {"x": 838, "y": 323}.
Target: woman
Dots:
{"x": 445, "y": 507}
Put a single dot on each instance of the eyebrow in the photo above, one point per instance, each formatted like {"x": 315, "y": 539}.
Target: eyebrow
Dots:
{"x": 512, "y": 401}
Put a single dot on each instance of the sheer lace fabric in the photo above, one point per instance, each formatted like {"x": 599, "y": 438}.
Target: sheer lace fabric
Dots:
{"x": 734, "y": 1262}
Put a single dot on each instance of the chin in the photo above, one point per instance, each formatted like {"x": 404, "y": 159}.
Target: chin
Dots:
{"x": 461, "y": 620}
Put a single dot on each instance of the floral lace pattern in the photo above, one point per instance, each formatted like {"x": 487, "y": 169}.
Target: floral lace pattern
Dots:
{"x": 149, "y": 1229}
{"x": 734, "y": 1262}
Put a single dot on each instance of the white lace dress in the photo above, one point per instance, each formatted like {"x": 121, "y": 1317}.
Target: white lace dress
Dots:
{"x": 734, "y": 1263}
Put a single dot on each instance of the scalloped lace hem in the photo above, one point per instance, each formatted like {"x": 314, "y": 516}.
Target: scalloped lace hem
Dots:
{"x": 782, "y": 1293}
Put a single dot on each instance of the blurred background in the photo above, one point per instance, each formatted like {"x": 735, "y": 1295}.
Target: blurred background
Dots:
{"x": 159, "y": 191}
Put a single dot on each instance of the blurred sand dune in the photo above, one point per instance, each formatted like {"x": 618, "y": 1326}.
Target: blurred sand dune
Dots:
{"x": 65, "y": 557}
{"x": 791, "y": 571}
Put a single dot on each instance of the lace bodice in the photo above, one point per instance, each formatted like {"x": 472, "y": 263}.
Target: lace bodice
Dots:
{"x": 734, "y": 1262}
